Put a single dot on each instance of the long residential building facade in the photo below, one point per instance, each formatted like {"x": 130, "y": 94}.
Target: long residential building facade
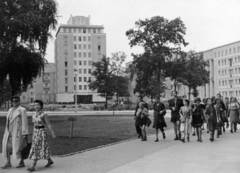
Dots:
{"x": 224, "y": 68}
{"x": 77, "y": 45}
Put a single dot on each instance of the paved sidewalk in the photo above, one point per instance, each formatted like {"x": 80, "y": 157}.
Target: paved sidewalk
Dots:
{"x": 134, "y": 156}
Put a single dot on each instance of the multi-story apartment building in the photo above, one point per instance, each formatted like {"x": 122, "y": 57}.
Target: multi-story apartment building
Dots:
{"x": 224, "y": 68}
{"x": 77, "y": 45}
{"x": 43, "y": 87}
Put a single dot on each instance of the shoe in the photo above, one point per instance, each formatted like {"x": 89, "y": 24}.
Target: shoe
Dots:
{"x": 176, "y": 138}
{"x": 156, "y": 140}
{"x": 235, "y": 130}
{"x": 193, "y": 134}
{"x": 211, "y": 139}
{"x": 224, "y": 130}
{"x": 144, "y": 139}
{"x": 183, "y": 140}
{"x": 49, "y": 164}
{"x": 200, "y": 140}
{"x": 231, "y": 131}
{"x": 188, "y": 139}
{"x": 139, "y": 136}
{"x": 7, "y": 166}
{"x": 164, "y": 136}
{"x": 20, "y": 165}
{"x": 207, "y": 131}
{"x": 31, "y": 169}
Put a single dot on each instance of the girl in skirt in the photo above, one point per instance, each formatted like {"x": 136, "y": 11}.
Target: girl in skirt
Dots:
{"x": 40, "y": 149}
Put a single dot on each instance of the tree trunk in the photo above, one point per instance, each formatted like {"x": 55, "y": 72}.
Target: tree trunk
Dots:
{"x": 117, "y": 98}
{"x": 159, "y": 81}
{"x": 106, "y": 99}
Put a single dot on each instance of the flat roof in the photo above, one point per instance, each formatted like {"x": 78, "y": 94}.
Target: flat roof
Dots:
{"x": 222, "y": 46}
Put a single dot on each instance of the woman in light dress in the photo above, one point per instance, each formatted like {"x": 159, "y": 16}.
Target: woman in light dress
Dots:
{"x": 233, "y": 113}
{"x": 40, "y": 149}
{"x": 186, "y": 118}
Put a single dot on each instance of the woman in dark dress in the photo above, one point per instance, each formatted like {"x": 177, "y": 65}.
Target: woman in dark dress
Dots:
{"x": 211, "y": 116}
{"x": 197, "y": 118}
{"x": 219, "y": 112}
{"x": 159, "y": 122}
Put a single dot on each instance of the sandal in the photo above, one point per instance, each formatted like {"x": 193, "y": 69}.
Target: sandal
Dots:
{"x": 49, "y": 164}
{"x": 7, "y": 166}
{"x": 31, "y": 169}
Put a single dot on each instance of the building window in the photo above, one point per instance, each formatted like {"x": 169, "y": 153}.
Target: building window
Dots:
{"x": 74, "y": 87}
{"x": 69, "y": 29}
{"x": 84, "y": 30}
{"x": 80, "y": 71}
{"x": 89, "y": 54}
{"x": 75, "y": 54}
{"x": 66, "y": 55}
{"x": 85, "y": 79}
{"x": 89, "y": 71}
{"x": 79, "y": 38}
{"x": 84, "y": 62}
{"x": 66, "y": 63}
{"x": 222, "y": 52}
{"x": 75, "y": 38}
{"x": 79, "y": 46}
{"x": 84, "y": 38}
{"x": 89, "y": 79}
{"x": 85, "y": 71}
{"x": 75, "y": 46}
{"x": 80, "y": 62}
{"x": 89, "y": 46}
{"x": 229, "y": 51}
{"x": 219, "y": 63}
{"x": 84, "y": 54}
{"x": 80, "y": 87}
{"x": 89, "y": 38}
{"x": 75, "y": 62}
{"x": 84, "y": 46}
{"x": 64, "y": 29}
{"x": 66, "y": 89}
{"x": 80, "y": 79}
{"x": 226, "y": 52}
{"x": 230, "y": 62}
{"x": 66, "y": 80}
{"x": 238, "y": 51}
{"x": 219, "y": 83}
{"x": 79, "y": 54}
{"x": 74, "y": 79}
{"x": 94, "y": 31}
{"x": 85, "y": 87}
{"x": 99, "y": 48}
{"x": 79, "y": 30}
{"x": 234, "y": 50}
{"x": 66, "y": 72}
{"x": 74, "y": 30}
{"x": 235, "y": 59}
{"x": 89, "y": 62}
{"x": 89, "y": 30}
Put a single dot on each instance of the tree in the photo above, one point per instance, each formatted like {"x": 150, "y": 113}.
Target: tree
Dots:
{"x": 175, "y": 69}
{"x": 160, "y": 39}
{"x": 104, "y": 81}
{"x": 116, "y": 61}
{"x": 195, "y": 73}
{"x": 121, "y": 86}
{"x": 24, "y": 33}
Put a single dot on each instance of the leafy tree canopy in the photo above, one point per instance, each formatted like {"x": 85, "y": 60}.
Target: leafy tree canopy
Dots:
{"x": 24, "y": 32}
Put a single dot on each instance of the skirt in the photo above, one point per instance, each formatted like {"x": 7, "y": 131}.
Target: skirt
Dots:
{"x": 141, "y": 121}
{"x": 39, "y": 149}
{"x": 158, "y": 121}
{"x": 234, "y": 116}
{"x": 186, "y": 126}
{"x": 197, "y": 121}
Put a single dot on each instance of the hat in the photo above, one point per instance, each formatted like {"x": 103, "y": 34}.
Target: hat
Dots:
{"x": 15, "y": 97}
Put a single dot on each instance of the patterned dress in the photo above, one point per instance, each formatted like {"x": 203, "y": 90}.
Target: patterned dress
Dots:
{"x": 234, "y": 112}
{"x": 185, "y": 121}
{"x": 39, "y": 149}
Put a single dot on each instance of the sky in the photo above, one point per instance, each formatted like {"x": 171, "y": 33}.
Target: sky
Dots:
{"x": 209, "y": 23}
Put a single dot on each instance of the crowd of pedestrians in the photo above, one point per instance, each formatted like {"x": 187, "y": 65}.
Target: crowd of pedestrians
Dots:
{"x": 213, "y": 113}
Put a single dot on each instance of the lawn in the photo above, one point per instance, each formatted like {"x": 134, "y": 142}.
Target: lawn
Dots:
{"x": 89, "y": 131}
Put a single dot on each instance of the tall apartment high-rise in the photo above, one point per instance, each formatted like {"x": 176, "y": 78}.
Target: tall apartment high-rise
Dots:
{"x": 77, "y": 45}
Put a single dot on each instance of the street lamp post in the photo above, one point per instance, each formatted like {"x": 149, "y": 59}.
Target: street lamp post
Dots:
{"x": 75, "y": 72}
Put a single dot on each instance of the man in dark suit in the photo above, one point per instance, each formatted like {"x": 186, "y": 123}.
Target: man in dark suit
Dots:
{"x": 138, "y": 129}
{"x": 174, "y": 105}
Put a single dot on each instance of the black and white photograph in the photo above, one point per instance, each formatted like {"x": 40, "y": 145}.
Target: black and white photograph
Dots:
{"x": 120, "y": 86}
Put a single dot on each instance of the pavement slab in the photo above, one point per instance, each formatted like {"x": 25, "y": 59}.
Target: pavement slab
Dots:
{"x": 165, "y": 156}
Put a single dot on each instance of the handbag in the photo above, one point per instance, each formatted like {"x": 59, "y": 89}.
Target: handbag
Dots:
{"x": 26, "y": 150}
{"x": 149, "y": 122}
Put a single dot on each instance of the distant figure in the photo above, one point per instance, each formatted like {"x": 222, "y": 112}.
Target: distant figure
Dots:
{"x": 159, "y": 121}
{"x": 174, "y": 105}
{"x": 233, "y": 112}
{"x": 16, "y": 132}
{"x": 141, "y": 119}
{"x": 138, "y": 129}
